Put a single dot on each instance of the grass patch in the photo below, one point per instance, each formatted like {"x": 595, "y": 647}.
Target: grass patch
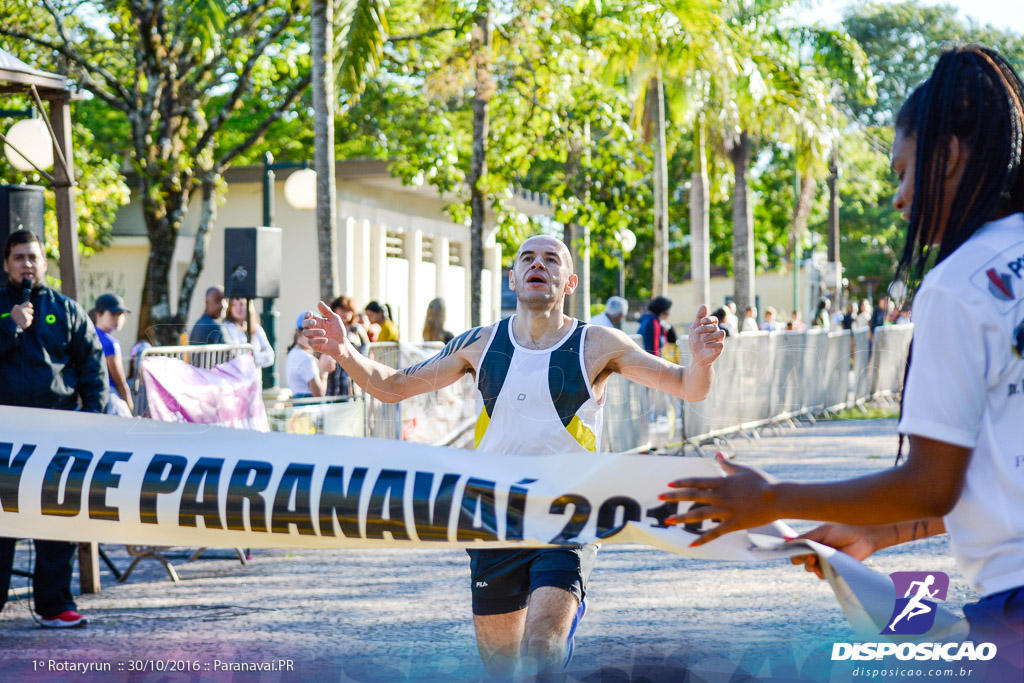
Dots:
{"x": 868, "y": 413}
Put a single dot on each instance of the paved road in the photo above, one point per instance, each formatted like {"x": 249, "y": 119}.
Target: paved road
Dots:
{"x": 395, "y": 614}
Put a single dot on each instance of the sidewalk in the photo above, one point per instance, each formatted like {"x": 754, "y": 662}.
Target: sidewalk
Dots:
{"x": 387, "y": 615}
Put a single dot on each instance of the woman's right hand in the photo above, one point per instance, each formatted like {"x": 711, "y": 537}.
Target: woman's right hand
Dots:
{"x": 856, "y": 541}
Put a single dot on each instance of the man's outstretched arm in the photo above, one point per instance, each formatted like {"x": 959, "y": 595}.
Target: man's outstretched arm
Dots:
{"x": 328, "y": 335}
{"x": 618, "y": 353}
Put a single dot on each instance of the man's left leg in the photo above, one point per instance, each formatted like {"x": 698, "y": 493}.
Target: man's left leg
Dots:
{"x": 558, "y": 585}
{"x": 548, "y": 622}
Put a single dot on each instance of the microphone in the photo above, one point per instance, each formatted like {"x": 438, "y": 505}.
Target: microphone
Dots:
{"x": 26, "y": 290}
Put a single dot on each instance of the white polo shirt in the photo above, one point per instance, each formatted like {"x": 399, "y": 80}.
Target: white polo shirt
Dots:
{"x": 966, "y": 387}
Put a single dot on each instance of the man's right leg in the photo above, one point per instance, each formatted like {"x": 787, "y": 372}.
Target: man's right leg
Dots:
{"x": 500, "y": 580}
{"x": 498, "y": 639}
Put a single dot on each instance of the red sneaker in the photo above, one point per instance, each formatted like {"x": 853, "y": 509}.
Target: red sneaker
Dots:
{"x": 66, "y": 619}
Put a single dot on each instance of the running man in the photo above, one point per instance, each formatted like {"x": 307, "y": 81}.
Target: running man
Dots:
{"x": 541, "y": 377}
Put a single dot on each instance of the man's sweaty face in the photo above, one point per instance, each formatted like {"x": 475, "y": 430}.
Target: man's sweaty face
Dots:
{"x": 541, "y": 270}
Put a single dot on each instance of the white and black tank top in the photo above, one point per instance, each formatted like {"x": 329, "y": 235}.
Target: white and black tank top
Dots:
{"x": 536, "y": 401}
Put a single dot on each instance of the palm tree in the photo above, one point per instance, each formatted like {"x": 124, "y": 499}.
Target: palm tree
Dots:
{"x": 362, "y": 27}
{"x": 481, "y": 55}
{"x": 662, "y": 44}
{"x": 773, "y": 90}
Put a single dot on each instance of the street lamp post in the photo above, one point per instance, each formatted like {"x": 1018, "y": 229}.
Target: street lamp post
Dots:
{"x": 627, "y": 242}
{"x": 297, "y": 193}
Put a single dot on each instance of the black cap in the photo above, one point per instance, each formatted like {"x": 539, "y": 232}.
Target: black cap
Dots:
{"x": 110, "y": 302}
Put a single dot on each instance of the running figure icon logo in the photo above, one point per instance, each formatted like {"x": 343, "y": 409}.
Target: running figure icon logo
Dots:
{"x": 914, "y": 612}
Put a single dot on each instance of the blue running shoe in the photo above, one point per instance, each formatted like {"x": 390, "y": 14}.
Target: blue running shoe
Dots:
{"x": 580, "y": 611}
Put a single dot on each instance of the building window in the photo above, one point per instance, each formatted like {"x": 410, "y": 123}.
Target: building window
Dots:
{"x": 428, "y": 249}
{"x": 395, "y": 244}
{"x": 454, "y": 254}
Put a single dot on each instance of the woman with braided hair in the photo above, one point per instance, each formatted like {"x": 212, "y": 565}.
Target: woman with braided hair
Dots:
{"x": 958, "y": 154}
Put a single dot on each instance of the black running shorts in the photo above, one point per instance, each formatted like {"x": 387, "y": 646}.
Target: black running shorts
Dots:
{"x": 503, "y": 579}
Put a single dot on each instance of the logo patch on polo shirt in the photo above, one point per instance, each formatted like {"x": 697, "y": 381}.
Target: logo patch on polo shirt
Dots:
{"x": 1003, "y": 277}
{"x": 1000, "y": 285}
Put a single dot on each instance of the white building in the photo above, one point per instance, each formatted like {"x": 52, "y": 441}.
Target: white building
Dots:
{"x": 395, "y": 244}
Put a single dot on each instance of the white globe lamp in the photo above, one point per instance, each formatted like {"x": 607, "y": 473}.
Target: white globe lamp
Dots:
{"x": 627, "y": 240}
{"x": 29, "y": 145}
{"x": 300, "y": 189}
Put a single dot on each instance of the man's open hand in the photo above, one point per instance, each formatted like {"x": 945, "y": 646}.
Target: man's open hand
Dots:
{"x": 328, "y": 334}
{"x": 706, "y": 339}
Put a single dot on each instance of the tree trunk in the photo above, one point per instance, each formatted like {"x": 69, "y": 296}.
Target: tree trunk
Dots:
{"x": 801, "y": 214}
{"x": 656, "y": 116}
{"x": 207, "y": 216}
{"x": 322, "y": 15}
{"x": 480, "y": 47}
{"x": 163, "y": 211}
{"x": 700, "y": 222}
{"x": 833, "y": 205}
{"x": 577, "y": 237}
{"x": 742, "y": 224}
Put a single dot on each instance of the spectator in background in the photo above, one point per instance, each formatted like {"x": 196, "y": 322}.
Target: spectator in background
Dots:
{"x": 769, "y": 324}
{"x": 880, "y": 316}
{"x": 305, "y": 375}
{"x": 381, "y": 315}
{"x": 731, "y": 322}
{"x": 338, "y": 382}
{"x": 796, "y": 322}
{"x": 433, "y": 326}
{"x": 209, "y": 329}
{"x": 134, "y": 380}
{"x": 821, "y": 318}
{"x": 750, "y": 320}
{"x": 838, "y": 318}
{"x": 240, "y": 312}
{"x": 615, "y": 310}
{"x": 721, "y": 314}
{"x": 849, "y": 317}
{"x": 650, "y": 324}
{"x": 863, "y": 314}
{"x": 51, "y": 358}
{"x": 108, "y": 314}
{"x": 904, "y": 317}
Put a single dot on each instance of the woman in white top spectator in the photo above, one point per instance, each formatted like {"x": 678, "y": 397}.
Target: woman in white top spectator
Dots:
{"x": 237, "y": 324}
{"x": 305, "y": 375}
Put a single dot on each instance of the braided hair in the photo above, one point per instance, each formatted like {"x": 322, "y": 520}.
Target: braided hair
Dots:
{"x": 975, "y": 95}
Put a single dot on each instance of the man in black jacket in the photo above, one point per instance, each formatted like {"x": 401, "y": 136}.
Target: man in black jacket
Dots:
{"x": 50, "y": 357}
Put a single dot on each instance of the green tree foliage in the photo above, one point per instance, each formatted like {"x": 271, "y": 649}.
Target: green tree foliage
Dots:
{"x": 182, "y": 89}
{"x": 902, "y": 42}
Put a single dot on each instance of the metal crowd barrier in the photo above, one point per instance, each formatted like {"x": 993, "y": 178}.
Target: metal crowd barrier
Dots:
{"x": 383, "y": 420}
{"x": 438, "y": 417}
{"x": 332, "y": 415}
{"x": 761, "y": 379}
{"x": 764, "y": 378}
{"x": 200, "y": 356}
{"x": 889, "y": 359}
